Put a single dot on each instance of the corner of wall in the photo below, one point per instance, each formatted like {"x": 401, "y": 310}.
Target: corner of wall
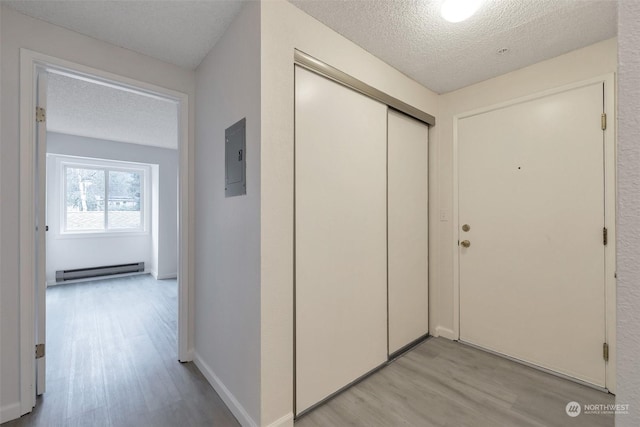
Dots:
{"x": 443, "y": 332}
{"x": 285, "y": 421}
{"x": 225, "y": 394}
{"x": 9, "y": 412}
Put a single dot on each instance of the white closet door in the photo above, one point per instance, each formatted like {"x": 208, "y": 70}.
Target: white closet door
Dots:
{"x": 341, "y": 245}
{"x": 408, "y": 230}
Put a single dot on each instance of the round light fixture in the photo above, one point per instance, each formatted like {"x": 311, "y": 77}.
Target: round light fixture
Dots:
{"x": 459, "y": 10}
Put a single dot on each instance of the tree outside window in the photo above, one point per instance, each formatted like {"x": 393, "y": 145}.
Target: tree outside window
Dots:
{"x": 100, "y": 199}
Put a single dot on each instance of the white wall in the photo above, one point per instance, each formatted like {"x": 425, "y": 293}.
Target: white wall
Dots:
{"x": 64, "y": 252}
{"x": 9, "y": 408}
{"x": 244, "y": 281}
{"x": 19, "y": 31}
{"x": 589, "y": 62}
{"x": 628, "y": 314}
{"x": 227, "y": 323}
{"x": 284, "y": 27}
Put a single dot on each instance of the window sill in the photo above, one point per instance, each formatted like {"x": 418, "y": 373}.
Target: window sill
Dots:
{"x": 99, "y": 234}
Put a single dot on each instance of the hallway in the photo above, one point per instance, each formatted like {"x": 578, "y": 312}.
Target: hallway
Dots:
{"x": 111, "y": 360}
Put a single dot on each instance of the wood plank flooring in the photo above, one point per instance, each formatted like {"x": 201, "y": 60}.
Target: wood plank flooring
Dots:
{"x": 448, "y": 384}
{"x": 111, "y": 355}
{"x": 112, "y": 360}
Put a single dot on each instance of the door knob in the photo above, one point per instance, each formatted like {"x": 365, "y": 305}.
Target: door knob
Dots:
{"x": 465, "y": 243}
{"x": 466, "y": 227}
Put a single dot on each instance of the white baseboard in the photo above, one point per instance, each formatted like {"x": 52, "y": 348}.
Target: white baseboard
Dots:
{"x": 189, "y": 356}
{"x": 9, "y": 412}
{"x": 163, "y": 276}
{"x": 229, "y": 399}
{"x": 286, "y": 421}
{"x": 445, "y": 333}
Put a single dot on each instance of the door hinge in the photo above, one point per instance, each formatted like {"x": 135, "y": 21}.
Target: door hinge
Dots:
{"x": 41, "y": 115}
{"x": 605, "y": 352}
{"x": 605, "y": 236}
{"x": 603, "y": 121}
{"x": 39, "y": 351}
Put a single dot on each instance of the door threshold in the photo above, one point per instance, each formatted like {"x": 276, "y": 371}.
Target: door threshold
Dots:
{"x": 536, "y": 367}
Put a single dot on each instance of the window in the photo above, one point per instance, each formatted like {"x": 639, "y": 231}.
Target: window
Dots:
{"x": 103, "y": 197}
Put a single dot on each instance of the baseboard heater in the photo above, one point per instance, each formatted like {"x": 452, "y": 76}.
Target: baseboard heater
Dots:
{"x": 107, "y": 270}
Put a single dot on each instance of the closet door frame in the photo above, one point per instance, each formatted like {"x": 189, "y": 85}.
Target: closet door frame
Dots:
{"x": 305, "y": 61}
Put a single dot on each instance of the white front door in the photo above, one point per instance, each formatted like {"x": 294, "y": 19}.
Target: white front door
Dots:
{"x": 531, "y": 191}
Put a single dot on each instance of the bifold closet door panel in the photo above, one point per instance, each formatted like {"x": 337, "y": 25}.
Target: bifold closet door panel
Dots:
{"x": 408, "y": 230}
{"x": 341, "y": 247}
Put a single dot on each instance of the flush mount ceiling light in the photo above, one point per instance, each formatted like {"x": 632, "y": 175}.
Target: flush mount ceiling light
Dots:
{"x": 459, "y": 10}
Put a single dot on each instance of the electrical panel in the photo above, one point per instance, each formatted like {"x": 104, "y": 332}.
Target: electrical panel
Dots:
{"x": 235, "y": 154}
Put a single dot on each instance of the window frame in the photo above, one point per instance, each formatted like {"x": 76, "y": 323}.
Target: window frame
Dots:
{"x": 65, "y": 162}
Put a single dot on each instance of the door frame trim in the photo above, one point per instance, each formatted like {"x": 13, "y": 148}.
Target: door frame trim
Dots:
{"x": 609, "y": 209}
{"x": 307, "y": 61}
{"x": 29, "y": 61}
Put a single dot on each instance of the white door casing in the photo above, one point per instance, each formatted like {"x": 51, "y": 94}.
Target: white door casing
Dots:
{"x": 340, "y": 232}
{"x": 532, "y": 189}
{"x": 407, "y": 230}
{"x": 30, "y": 261}
{"x": 41, "y": 221}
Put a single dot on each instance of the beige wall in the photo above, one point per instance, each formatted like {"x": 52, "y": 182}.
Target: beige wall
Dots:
{"x": 583, "y": 64}
{"x": 19, "y": 31}
{"x": 284, "y": 27}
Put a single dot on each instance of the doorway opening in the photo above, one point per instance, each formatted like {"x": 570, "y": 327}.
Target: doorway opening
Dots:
{"x": 104, "y": 194}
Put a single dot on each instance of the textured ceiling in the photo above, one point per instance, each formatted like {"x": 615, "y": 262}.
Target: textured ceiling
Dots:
{"x": 412, "y": 36}
{"x": 180, "y": 32}
{"x": 408, "y": 34}
{"x": 79, "y": 107}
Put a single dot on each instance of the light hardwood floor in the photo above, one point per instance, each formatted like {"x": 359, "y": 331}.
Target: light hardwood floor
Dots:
{"x": 111, "y": 360}
{"x": 111, "y": 356}
{"x": 448, "y": 384}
